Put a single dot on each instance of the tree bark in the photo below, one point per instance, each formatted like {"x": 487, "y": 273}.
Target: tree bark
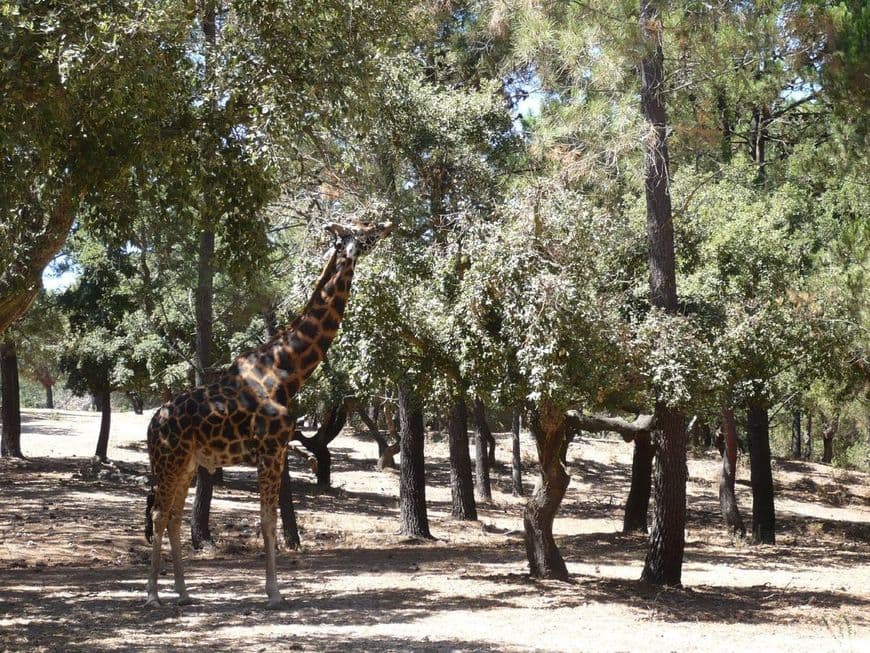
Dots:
{"x": 828, "y": 441}
{"x": 758, "y": 434}
{"x": 21, "y": 282}
{"x": 664, "y": 558}
{"x": 796, "y": 435}
{"x": 136, "y": 402}
{"x": 10, "y": 440}
{"x": 461, "y": 484}
{"x": 375, "y": 434}
{"x": 727, "y": 475}
{"x": 200, "y": 530}
{"x": 105, "y": 399}
{"x": 482, "y": 437}
{"x": 516, "y": 459}
{"x": 545, "y": 560}
{"x": 637, "y": 504}
{"x": 808, "y": 441}
{"x": 414, "y": 521}
{"x": 289, "y": 526}
{"x": 49, "y": 396}
{"x": 318, "y": 444}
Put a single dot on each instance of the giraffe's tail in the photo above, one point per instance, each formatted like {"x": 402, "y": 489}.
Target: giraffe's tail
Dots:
{"x": 149, "y": 521}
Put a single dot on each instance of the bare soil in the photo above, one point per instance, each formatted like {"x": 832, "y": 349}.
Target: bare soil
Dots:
{"x": 73, "y": 560}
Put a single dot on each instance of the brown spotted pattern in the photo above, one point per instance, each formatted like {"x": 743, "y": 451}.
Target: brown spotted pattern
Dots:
{"x": 244, "y": 417}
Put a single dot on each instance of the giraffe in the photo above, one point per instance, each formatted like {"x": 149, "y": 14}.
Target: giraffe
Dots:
{"x": 244, "y": 417}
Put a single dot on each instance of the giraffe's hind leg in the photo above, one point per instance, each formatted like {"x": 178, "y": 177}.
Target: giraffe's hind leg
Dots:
{"x": 160, "y": 515}
{"x": 175, "y": 540}
{"x": 269, "y": 477}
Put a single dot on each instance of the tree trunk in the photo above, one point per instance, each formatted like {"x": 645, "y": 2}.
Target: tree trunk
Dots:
{"x": 482, "y": 437}
{"x": 461, "y": 484}
{"x": 105, "y": 400}
{"x": 796, "y": 435}
{"x": 319, "y": 443}
{"x": 727, "y": 475}
{"x": 545, "y": 560}
{"x": 664, "y": 558}
{"x": 375, "y": 434}
{"x": 516, "y": 460}
{"x": 49, "y": 396}
{"x": 414, "y": 521}
{"x": 136, "y": 402}
{"x": 808, "y": 438}
{"x": 637, "y": 505}
{"x": 828, "y": 442}
{"x": 758, "y": 434}
{"x": 200, "y": 530}
{"x": 21, "y": 282}
{"x": 10, "y": 440}
{"x": 288, "y": 514}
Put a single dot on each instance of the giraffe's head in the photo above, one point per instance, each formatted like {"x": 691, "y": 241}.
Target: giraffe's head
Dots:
{"x": 357, "y": 238}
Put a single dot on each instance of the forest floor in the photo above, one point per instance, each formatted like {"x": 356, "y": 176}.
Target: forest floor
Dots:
{"x": 73, "y": 559}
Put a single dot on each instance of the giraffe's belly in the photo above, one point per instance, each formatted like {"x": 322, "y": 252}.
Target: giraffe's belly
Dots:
{"x": 235, "y": 453}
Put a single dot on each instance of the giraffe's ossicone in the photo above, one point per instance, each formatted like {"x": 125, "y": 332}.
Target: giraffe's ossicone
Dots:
{"x": 243, "y": 417}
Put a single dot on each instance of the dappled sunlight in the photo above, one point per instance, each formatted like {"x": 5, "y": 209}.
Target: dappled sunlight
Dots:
{"x": 73, "y": 564}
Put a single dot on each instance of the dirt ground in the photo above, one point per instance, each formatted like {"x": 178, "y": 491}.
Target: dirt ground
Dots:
{"x": 73, "y": 560}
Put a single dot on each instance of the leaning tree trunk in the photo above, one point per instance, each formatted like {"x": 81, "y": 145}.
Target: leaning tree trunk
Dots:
{"x": 482, "y": 436}
{"x": 664, "y": 558}
{"x": 10, "y": 440}
{"x": 461, "y": 483}
{"x": 414, "y": 521}
{"x": 637, "y": 505}
{"x": 545, "y": 561}
{"x": 105, "y": 400}
{"x": 516, "y": 459}
{"x": 796, "y": 435}
{"x": 758, "y": 434}
{"x": 727, "y": 475}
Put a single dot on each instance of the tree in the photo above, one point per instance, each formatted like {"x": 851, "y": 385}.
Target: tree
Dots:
{"x": 727, "y": 475}
{"x": 664, "y": 558}
{"x": 461, "y": 489}
{"x": 484, "y": 448}
{"x": 72, "y": 129}
{"x": 11, "y": 415}
{"x": 413, "y": 519}
{"x": 516, "y": 459}
{"x": 98, "y": 357}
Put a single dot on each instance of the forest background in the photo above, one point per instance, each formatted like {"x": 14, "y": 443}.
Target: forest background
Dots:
{"x": 174, "y": 163}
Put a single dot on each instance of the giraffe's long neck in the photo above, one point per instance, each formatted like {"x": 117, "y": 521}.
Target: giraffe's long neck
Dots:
{"x": 303, "y": 345}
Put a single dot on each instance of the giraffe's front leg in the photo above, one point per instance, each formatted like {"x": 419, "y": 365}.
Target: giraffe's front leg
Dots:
{"x": 269, "y": 476}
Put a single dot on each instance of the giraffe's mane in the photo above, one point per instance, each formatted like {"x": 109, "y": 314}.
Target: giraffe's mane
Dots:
{"x": 328, "y": 271}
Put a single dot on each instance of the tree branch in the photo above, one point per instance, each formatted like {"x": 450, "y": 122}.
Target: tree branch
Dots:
{"x": 642, "y": 425}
